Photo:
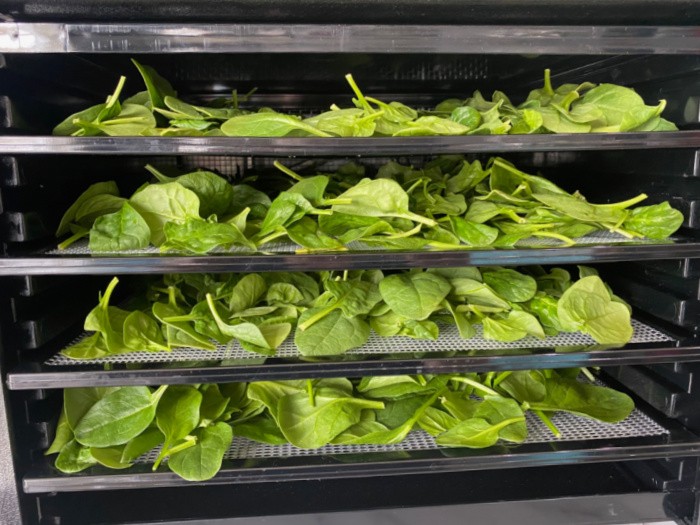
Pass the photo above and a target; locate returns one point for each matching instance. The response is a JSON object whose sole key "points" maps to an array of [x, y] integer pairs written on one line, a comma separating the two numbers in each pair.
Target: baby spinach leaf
{"points": [[586, 400], [475, 433], [179, 333], [378, 198], [119, 231], [99, 188], [476, 293], [512, 326], [96, 207], [262, 429], [525, 386], [214, 192], [496, 409], [308, 425], [267, 124], [74, 457], [511, 285], [658, 221], [203, 460], [414, 296], [213, 403], [332, 335], [435, 421], [390, 387], [62, 436], [588, 307], [110, 457], [199, 236], [247, 292], [473, 233], [142, 333], [144, 442], [177, 413], [118, 417], [159, 204], [158, 88]]}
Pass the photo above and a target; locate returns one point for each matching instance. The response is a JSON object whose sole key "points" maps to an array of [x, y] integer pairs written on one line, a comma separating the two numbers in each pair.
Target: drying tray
{"points": [[594, 248], [335, 147], [379, 356], [582, 441]]}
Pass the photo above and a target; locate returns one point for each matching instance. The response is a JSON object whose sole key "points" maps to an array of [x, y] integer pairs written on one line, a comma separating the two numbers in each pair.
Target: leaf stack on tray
{"points": [[194, 426], [570, 108], [332, 313], [448, 204]]}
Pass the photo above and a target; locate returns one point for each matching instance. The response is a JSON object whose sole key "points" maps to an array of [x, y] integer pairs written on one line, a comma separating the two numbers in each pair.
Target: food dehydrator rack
{"points": [[46, 294]]}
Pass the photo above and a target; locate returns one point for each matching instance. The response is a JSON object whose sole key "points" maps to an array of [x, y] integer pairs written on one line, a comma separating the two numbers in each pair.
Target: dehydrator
{"points": [[57, 57]]}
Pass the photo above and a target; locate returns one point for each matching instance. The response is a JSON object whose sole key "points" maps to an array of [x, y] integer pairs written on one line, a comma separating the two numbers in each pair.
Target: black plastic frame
{"points": [[334, 147]]}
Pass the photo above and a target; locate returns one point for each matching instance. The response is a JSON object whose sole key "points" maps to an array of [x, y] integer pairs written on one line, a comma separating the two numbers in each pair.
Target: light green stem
{"points": [[284, 169], [73, 238], [548, 422], [190, 441], [476, 385], [358, 93], [317, 317]]}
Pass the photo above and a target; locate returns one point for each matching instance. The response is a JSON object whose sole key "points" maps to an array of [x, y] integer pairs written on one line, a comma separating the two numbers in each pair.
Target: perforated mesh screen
{"points": [[449, 341], [572, 428]]}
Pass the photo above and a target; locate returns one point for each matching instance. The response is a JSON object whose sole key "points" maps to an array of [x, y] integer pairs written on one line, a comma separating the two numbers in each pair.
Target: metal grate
{"points": [[80, 248], [572, 428], [449, 341]]}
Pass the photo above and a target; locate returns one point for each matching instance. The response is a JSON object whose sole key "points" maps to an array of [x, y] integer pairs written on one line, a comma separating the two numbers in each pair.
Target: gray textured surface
{"points": [[9, 502]]}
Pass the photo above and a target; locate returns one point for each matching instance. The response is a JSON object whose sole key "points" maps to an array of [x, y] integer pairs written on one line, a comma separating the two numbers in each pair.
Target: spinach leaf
{"points": [[586, 400], [261, 429], [159, 204], [74, 457], [496, 409], [308, 425], [587, 306], [118, 417], [158, 88], [658, 221], [119, 231], [511, 285], [378, 198], [203, 460], [332, 335], [214, 192], [414, 296], [99, 188], [199, 236], [475, 433], [512, 326], [267, 124], [62, 436], [142, 333]]}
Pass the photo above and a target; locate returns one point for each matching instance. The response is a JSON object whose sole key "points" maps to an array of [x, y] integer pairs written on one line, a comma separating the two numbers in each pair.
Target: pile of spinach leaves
{"points": [[570, 108], [329, 313], [190, 427], [447, 204]]}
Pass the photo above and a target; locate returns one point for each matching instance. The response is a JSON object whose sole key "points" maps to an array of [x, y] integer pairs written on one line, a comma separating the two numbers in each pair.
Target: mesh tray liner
{"points": [[80, 248], [448, 341], [572, 428]]}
